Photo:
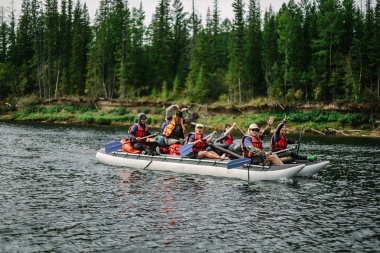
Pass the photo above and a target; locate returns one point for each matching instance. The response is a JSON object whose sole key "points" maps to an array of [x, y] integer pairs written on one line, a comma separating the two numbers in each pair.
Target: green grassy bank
{"points": [[317, 121]]}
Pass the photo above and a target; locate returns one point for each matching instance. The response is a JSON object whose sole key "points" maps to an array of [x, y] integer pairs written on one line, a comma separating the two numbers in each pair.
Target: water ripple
{"points": [[54, 197]]}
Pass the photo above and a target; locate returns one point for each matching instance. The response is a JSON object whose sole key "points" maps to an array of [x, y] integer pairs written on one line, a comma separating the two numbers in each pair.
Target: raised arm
{"points": [[267, 128], [188, 112], [211, 137], [170, 109], [276, 135], [229, 130]]}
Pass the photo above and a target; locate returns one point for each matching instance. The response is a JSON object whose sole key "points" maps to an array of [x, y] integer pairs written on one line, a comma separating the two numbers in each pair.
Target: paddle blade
{"points": [[112, 147], [238, 163], [185, 149]]}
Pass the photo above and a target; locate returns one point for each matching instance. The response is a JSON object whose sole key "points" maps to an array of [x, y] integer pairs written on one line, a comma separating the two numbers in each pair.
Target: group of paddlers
{"points": [[172, 137]]}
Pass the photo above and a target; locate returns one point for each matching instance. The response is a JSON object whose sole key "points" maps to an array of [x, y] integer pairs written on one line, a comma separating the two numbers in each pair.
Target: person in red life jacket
{"points": [[227, 132], [174, 132], [280, 142], [252, 145], [199, 145], [139, 130]]}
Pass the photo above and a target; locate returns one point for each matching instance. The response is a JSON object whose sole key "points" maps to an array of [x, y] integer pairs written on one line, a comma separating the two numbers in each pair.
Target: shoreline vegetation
{"points": [[314, 118]]}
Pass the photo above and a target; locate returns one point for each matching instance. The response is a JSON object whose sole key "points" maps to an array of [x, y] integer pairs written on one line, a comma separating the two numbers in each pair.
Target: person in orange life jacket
{"points": [[174, 132], [280, 142], [227, 132], [161, 137], [199, 145], [139, 130], [164, 124], [252, 145]]}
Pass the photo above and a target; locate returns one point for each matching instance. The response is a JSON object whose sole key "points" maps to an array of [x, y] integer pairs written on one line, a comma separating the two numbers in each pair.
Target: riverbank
{"points": [[340, 119]]}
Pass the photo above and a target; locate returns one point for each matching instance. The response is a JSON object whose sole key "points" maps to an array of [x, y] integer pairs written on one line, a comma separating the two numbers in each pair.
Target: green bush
{"points": [[103, 120], [86, 118], [354, 119], [119, 111], [158, 111], [126, 119], [145, 110], [365, 128]]}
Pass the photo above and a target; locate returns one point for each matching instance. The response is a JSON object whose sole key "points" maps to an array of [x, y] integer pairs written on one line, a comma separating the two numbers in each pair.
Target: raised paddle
{"points": [[186, 149], [115, 146], [240, 129], [242, 161]]}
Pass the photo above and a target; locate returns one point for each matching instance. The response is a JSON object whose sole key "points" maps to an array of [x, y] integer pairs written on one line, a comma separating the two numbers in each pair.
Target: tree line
{"points": [[322, 50]]}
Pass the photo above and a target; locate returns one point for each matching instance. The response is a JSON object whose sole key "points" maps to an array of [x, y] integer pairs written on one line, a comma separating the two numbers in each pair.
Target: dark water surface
{"points": [[55, 197]]}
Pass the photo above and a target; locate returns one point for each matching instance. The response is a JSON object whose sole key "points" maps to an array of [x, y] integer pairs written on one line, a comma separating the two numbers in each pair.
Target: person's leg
{"points": [[201, 154], [152, 145], [297, 156], [142, 147], [139, 146], [211, 154], [287, 159], [170, 141], [273, 159]]}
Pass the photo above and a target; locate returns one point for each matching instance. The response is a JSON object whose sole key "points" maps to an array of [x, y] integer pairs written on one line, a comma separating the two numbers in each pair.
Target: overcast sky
{"points": [[149, 6]]}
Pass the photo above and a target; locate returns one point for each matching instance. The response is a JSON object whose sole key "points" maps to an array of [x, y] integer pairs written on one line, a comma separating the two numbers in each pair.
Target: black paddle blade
{"points": [[238, 163], [185, 149], [112, 147]]}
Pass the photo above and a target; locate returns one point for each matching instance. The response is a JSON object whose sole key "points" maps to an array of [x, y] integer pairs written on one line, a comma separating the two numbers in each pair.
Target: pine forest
{"points": [[310, 51]]}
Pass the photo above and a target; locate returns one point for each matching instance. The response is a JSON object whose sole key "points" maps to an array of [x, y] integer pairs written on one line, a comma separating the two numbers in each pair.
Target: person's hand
{"points": [[138, 138], [234, 124], [156, 133], [184, 109], [285, 119], [270, 120]]}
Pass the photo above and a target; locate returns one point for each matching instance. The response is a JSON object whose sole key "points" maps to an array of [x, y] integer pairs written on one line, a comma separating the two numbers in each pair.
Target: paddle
{"points": [[225, 150], [242, 161], [299, 141], [240, 129], [185, 149], [115, 146]]}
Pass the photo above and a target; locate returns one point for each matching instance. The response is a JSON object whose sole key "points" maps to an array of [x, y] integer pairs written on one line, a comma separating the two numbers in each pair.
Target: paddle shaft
{"points": [[117, 145], [242, 161], [204, 138], [280, 151], [299, 141], [226, 151], [240, 129], [186, 149]]}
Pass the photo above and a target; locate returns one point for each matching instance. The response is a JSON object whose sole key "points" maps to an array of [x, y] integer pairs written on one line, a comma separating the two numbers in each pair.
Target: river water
{"points": [[55, 197]]}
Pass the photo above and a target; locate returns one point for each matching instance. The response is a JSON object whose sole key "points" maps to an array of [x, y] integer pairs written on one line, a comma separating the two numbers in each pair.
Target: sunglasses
{"points": [[200, 127], [255, 130]]}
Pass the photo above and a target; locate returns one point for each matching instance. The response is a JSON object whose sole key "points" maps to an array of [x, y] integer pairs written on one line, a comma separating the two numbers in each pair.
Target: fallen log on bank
{"points": [[316, 131], [337, 131]]}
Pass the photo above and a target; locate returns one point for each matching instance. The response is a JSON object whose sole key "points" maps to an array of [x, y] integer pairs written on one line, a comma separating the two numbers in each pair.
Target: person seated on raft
{"points": [[279, 142], [139, 130], [227, 134], [199, 145], [174, 132], [252, 145]]}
